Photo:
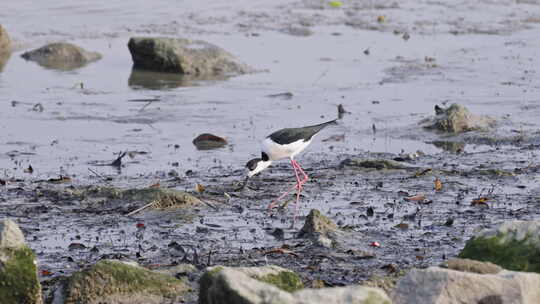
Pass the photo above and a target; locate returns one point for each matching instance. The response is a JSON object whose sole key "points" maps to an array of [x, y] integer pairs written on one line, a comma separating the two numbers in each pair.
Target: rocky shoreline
{"points": [[515, 245]]}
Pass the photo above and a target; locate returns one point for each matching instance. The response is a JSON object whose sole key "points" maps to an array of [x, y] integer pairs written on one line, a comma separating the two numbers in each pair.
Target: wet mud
{"points": [[387, 64]]}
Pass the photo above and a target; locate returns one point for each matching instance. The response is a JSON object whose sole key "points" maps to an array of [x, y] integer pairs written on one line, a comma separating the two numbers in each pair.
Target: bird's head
{"points": [[256, 165]]}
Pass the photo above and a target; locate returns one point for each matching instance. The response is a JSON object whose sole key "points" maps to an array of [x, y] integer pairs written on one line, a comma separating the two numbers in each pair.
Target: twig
{"points": [[98, 175], [140, 209]]}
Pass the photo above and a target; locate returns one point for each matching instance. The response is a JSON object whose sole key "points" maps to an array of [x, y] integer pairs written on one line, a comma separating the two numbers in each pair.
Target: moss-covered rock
{"points": [[512, 245], [19, 282], [111, 282], [457, 119], [282, 278], [249, 285]]}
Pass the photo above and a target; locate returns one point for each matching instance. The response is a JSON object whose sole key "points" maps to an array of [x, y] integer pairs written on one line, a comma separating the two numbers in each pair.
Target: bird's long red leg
{"points": [[306, 178], [296, 186]]}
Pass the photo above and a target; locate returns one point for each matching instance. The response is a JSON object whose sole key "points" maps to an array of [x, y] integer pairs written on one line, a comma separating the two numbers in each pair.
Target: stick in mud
{"points": [[140, 209]]}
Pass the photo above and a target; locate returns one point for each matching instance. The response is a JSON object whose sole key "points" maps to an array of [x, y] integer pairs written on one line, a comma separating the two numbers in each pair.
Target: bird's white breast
{"points": [[276, 151]]}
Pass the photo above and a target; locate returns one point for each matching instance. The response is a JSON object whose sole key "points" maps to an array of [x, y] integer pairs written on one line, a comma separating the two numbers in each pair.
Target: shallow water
{"points": [[482, 55]]}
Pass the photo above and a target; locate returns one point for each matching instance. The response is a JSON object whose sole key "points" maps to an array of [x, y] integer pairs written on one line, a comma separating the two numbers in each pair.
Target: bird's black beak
{"points": [[243, 184]]}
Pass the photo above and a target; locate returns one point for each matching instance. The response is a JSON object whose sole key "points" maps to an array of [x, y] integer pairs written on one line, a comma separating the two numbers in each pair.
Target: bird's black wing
{"points": [[290, 135]]}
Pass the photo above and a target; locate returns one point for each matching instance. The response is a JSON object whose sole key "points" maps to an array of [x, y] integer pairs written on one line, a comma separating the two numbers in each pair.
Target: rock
{"points": [[161, 197], [378, 164], [226, 285], [208, 141], [444, 286], [317, 224], [184, 56], [473, 266], [5, 42], [115, 282], [342, 295], [281, 278], [61, 56], [457, 119], [18, 267], [513, 245], [5, 47]]}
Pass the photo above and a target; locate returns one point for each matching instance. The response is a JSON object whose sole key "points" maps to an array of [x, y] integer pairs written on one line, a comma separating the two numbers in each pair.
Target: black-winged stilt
{"points": [[286, 143]]}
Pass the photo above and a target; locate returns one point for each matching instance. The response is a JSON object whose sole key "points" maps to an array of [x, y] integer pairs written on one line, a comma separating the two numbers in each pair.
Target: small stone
{"points": [[208, 141]]}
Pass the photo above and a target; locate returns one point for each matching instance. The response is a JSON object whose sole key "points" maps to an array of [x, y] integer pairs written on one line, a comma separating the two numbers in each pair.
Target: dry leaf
{"points": [[156, 185], [199, 188], [381, 19], [416, 198], [438, 184], [480, 201]]}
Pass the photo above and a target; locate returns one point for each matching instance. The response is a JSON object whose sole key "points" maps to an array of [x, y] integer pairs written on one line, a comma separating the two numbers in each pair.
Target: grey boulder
{"points": [[444, 286], [229, 285]]}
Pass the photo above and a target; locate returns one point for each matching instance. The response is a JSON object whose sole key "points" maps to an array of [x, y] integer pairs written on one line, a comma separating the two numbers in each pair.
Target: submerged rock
{"points": [[378, 164], [444, 286], [457, 119], [5, 42], [115, 282], [18, 267], [245, 285], [208, 141], [513, 245], [184, 56], [61, 56]]}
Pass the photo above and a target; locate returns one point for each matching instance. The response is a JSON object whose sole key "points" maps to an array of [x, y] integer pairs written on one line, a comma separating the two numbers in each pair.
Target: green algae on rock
{"points": [[513, 245], [19, 282], [112, 281], [377, 164], [249, 285], [280, 277]]}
